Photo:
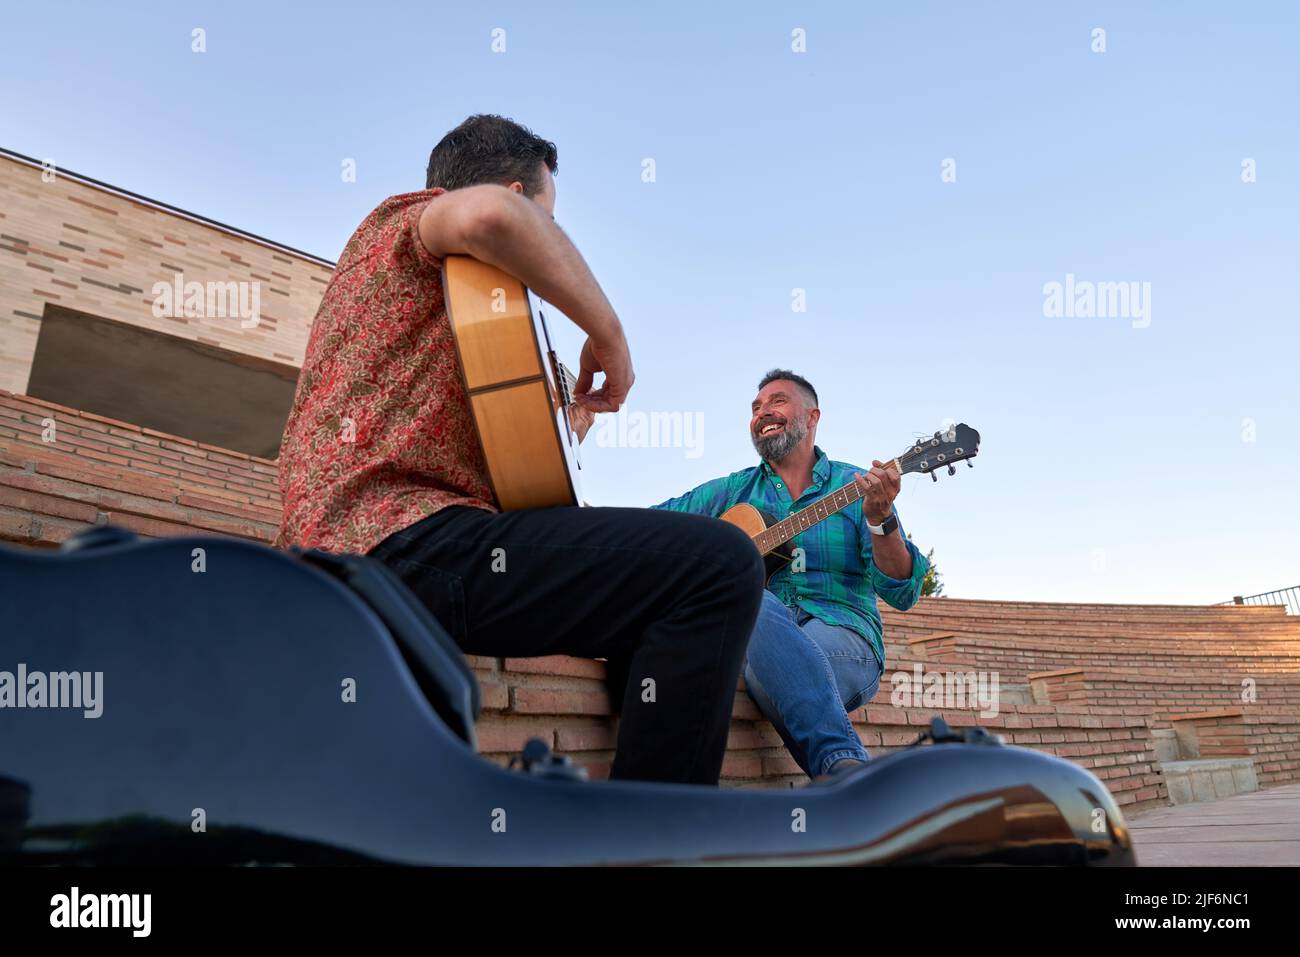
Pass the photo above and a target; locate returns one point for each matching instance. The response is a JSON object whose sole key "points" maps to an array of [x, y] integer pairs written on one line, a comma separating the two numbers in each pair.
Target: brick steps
{"points": [[563, 701], [1017, 671], [1285, 627], [1236, 620], [1136, 644], [971, 608], [1288, 627], [1017, 659], [1165, 694]]}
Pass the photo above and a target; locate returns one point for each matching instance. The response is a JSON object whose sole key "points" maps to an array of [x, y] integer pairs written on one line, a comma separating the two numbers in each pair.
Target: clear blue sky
{"points": [[1113, 466]]}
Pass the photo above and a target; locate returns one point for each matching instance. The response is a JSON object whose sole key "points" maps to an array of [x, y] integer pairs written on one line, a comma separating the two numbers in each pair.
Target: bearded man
{"points": [[816, 652]]}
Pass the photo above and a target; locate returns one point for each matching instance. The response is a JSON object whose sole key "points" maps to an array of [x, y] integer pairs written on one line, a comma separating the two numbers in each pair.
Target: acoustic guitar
{"points": [[772, 538], [519, 392]]}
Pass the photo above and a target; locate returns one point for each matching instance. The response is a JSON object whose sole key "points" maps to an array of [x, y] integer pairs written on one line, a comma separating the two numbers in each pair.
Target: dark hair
{"points": [[798, 380], [490, 149]]}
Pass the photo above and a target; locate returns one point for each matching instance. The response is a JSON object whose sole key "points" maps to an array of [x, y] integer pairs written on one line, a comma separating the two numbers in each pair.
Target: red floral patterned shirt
{"points": [[380, 433]]}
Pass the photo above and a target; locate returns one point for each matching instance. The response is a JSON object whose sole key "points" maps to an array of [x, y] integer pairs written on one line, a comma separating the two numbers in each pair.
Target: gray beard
{"points": [[776, 447]]}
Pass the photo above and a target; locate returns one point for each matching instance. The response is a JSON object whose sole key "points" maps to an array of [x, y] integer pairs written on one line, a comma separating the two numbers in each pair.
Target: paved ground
{"points": [[1261, 828]]}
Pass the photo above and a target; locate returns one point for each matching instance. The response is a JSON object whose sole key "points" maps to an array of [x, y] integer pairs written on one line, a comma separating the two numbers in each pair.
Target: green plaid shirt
{"points": [[840, 583]]}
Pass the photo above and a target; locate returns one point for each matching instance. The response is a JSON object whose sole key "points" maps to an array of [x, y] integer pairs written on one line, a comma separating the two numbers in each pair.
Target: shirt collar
{"points": [[821, 467]]}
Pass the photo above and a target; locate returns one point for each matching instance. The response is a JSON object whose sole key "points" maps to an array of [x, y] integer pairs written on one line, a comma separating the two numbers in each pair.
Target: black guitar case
{"points": [[225, 674]]}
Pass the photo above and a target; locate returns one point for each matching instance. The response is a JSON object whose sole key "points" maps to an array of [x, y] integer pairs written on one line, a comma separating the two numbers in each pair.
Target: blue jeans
{"points": [[806, 676]]}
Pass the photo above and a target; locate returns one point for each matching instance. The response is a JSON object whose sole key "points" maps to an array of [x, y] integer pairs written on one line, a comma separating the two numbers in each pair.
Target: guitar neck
{"points": [[778, 534], [565, 380]]}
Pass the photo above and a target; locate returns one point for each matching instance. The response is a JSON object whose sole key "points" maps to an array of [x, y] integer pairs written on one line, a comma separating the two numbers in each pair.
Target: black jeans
{"points": [[670, 598]]}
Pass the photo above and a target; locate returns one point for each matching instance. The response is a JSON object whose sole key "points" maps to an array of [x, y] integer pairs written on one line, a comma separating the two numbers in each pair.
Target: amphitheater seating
{"points": [[1133, 692]]}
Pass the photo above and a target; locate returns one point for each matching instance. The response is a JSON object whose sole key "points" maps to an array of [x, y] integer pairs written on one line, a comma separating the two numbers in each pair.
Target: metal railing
{"points": [[1287, 597]]}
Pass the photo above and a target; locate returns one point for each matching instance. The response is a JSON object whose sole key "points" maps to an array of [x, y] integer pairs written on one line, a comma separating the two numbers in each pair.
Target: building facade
{"points": [[118, 305]]}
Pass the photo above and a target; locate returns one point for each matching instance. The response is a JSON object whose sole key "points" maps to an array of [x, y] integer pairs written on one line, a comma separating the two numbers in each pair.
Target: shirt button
{"points": [[778, 484], [798, 597]]}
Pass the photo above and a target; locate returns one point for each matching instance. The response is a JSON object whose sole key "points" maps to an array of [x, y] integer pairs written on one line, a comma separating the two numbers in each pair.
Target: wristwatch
{"points": [[885, 527]]}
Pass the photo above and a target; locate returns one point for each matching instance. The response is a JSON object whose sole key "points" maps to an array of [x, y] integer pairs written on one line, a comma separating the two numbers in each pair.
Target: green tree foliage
{"points": [[931, 584]]}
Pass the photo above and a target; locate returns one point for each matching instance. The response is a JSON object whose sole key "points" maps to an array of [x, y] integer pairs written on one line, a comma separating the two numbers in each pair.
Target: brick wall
{"points": [[1211, 734], [1194, 687], [1020, 656], [1273, 742], [95, 470], [563, 701]]}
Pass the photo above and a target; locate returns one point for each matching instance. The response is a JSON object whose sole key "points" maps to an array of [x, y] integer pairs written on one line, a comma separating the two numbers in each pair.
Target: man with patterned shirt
{"points": [[380, 455], [816, 653]]}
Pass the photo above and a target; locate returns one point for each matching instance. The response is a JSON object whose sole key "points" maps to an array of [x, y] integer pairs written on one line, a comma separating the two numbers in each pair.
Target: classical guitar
{"points": [[772, 538], [519, 392]]}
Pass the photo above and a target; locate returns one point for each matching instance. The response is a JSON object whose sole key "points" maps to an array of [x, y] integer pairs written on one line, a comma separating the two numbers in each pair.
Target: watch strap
{"points": [[884, 528]]}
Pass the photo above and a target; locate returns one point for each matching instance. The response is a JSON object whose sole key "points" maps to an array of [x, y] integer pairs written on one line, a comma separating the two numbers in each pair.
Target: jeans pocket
{"points": [[441, 591], [868, 691]]}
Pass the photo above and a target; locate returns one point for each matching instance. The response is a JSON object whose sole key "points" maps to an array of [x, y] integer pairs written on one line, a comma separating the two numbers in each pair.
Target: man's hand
{"points": [[580, 419], [879, 488], [611, 358]]}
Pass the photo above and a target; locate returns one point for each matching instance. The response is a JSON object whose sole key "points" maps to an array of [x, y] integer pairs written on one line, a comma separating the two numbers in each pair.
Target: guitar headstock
{"points": [[959, 443]]}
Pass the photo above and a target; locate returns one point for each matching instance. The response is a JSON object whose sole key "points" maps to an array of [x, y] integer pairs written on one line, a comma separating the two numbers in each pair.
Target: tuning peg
{"points": [[934, 477], [970, 464], [952, 470]]}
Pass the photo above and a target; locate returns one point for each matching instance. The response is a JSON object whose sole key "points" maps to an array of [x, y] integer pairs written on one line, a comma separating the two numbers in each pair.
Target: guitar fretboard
{"points": [[565, 380], [774, 536]]}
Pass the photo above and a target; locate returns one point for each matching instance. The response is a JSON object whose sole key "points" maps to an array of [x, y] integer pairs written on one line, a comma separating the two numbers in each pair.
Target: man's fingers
{"points": [[889, 477], [601, 400], [883, 482]]}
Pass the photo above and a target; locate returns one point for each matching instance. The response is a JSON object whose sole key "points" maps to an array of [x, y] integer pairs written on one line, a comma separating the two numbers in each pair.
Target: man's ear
{"points": [[516, 187], [814, 416]]}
